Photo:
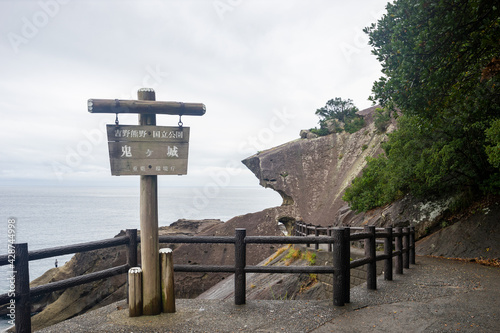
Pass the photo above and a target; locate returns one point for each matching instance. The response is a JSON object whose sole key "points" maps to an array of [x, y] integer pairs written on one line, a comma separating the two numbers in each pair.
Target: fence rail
{"points": [[337, 239]]}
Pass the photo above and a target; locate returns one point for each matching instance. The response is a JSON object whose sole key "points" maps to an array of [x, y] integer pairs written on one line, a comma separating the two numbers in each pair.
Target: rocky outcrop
{"points": [[311, 175], [475, 235]]}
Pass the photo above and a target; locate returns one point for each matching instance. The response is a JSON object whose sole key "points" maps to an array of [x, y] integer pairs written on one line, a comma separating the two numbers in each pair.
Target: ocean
{"points": [[46, 217]]}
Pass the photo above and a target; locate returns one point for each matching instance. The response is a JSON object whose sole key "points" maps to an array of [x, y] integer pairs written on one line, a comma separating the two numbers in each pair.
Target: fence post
{"points": [[307, 233], [329, 233], [22, 285], [167, 281], [131, 247], [412, 245], [131, 254], [316, 233], [239, 266], [134, 277], [371, 267], [347, 264], [406, 248], [338, 267], [399, 248], [388, 254]]}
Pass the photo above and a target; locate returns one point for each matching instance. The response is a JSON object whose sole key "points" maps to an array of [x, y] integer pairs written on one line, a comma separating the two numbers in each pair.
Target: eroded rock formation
{"points": [[311, 175]]}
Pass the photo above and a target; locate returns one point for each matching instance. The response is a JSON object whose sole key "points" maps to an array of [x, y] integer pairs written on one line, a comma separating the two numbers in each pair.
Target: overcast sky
{"points": [[262, 68]]}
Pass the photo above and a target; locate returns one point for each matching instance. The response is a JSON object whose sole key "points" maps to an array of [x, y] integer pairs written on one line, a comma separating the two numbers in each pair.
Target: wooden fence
{"points": [[337, 239]]}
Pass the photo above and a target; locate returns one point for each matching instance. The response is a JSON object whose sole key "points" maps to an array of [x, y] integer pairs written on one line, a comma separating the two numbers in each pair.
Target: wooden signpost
{"points": [[148, 150]]}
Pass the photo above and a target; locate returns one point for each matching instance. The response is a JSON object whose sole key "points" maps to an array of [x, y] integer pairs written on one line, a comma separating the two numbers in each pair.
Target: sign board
{"points": [[148, 150]]}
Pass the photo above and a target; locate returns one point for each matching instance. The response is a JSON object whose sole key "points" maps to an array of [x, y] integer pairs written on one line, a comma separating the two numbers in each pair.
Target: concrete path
{"points": [[436, 295]]}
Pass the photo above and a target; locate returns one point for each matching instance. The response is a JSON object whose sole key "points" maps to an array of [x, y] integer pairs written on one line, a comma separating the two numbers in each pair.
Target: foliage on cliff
{"points": [[440, 65], [338, 115]]}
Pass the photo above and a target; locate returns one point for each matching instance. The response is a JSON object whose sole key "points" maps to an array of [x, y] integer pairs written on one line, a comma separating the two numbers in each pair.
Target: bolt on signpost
{"points": [[148, 150]]}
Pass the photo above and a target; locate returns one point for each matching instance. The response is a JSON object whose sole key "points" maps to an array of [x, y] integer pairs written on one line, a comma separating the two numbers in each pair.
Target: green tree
{"points": [[439, 60], [382, 119], [433, 54], [338, 111]]}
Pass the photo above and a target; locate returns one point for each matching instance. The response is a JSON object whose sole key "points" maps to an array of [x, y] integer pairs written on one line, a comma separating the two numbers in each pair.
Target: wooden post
{"points": [[22, 286], [149, 226], [239, 265], [329, 233], [346, 240], [338, 267], [316, 233], [167, 281], [406, 248], [132, 247], [131, 253], [412, 245], [388, 254], [371, 267], [399, 248], [307, 233], [135, 292]]}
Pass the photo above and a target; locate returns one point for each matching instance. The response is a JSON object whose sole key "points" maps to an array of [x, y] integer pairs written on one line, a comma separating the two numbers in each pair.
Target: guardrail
{"points": [[338, 240], [19, 257]]}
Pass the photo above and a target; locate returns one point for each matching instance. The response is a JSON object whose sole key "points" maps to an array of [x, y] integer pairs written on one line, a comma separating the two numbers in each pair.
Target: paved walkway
{"points": [[436, 295]]}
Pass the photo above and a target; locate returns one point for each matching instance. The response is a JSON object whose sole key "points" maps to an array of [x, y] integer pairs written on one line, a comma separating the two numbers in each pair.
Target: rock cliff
{"points": [[312, 174]]}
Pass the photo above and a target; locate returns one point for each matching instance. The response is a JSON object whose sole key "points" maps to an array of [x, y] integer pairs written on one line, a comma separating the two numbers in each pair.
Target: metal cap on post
{"points": [[146, 94]]}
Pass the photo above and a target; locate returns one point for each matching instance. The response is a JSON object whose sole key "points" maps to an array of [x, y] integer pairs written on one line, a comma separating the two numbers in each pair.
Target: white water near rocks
{"points": [[46, 217]]}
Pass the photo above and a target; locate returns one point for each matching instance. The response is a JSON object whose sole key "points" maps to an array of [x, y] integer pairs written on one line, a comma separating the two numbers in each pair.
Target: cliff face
{"points": [[312, 174]]}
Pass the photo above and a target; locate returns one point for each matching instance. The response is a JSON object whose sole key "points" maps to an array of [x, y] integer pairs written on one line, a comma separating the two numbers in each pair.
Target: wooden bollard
{"points": [[135, 292], [167, 281]]}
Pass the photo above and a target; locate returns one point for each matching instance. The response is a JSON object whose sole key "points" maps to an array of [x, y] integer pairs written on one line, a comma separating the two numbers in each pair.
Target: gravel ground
{"points": [[436, 295]]}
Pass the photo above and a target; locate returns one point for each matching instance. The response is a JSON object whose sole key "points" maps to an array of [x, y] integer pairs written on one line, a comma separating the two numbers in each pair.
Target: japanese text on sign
{"points": [[148, 150]]}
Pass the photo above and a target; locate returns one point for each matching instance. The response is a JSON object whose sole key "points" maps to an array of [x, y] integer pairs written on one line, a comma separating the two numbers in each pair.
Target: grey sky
{"points": [[262, 68]]}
